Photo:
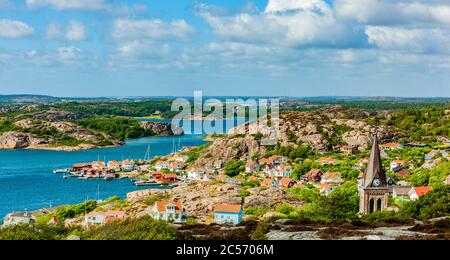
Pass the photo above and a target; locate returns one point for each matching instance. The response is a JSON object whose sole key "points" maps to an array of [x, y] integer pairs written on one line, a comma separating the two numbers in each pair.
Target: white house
{"points": [[195, 174], [332, 177], [283, 171], [278, 159], [182, 158], [101, 218], [416, 192], [128, 165], [17, 218], [161, 165], [401, 192], [169, 211], [176, 166], [396, 164], [390, 146]]}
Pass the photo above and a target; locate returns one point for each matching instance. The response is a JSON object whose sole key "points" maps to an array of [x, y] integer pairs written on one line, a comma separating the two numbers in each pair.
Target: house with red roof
{"points": [[314, 175], [251, 166], [416, 192], [390, 146], [287, 182], [169, 210], [327, 161]]}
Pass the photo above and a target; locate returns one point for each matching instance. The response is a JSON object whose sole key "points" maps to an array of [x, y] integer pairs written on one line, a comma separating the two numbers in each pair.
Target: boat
{"points": [[57, 171], [83, 178], [145, 183]]}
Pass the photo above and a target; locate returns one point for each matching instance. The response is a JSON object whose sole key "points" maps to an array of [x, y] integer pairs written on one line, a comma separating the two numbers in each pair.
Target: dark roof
{"points": [[375, 167]]}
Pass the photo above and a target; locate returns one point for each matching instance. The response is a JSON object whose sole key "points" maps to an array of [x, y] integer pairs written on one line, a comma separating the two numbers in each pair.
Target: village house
{"points": [[314, 175], [283, 170], [128, 165], [270, 169], [328, 188], [181, 158], [161, 165], [195, 174], [348, 149], [265, 161], [102, 218], [327, 161], [332, 177], [97, 165], [278, 159], [287, 182], [390, 146], [268, 182], [17, 218], [115, 165], [416, 192], [228, 213], [401, 192], [176, 166], [169, 178], [251, 166], [362, 163], [169, 211], [396, 164]]}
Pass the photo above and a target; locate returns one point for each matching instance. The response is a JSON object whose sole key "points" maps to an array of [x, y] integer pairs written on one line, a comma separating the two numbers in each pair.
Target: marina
{"points": [[29, 179]]}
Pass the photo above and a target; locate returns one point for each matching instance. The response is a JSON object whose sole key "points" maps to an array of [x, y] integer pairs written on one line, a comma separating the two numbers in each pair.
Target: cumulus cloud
{"points": [[295, 23], [14, 29], [154, 29], [69, 54]]}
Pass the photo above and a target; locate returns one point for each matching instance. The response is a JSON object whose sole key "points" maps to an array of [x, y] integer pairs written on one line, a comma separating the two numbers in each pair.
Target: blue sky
{"points": [[239, 47]]}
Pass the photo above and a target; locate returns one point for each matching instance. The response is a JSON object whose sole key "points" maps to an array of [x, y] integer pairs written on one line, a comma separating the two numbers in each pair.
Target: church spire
{"points": [[375, 167]]}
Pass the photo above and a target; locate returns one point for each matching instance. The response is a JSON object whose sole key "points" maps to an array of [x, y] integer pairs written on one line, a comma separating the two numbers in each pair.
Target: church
{"points": [[373, 186]]}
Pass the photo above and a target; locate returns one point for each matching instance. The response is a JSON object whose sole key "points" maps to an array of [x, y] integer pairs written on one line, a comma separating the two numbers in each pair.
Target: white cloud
{"points": [[385, 12], [295, 23], [75, 31], [151, 29], [69, 4], [404, 39], [14, 29]]}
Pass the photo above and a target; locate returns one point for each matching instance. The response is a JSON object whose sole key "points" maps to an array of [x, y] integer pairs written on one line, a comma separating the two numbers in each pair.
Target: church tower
{"points": [[373, 190]]}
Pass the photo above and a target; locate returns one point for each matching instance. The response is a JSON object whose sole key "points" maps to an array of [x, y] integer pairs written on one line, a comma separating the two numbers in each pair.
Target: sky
{"points": [[88, 48]]}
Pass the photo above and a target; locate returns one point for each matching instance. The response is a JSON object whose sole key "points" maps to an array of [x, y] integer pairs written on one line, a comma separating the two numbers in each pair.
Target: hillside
{"points": [[327, 127]]}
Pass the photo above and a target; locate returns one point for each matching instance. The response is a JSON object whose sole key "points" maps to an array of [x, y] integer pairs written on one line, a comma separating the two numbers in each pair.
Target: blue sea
{"points": [[27, 181]]}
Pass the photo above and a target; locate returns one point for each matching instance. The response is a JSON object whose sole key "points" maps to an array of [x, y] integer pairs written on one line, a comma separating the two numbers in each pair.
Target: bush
{"points": [[234, 168], [434, 204], [144, 228]]}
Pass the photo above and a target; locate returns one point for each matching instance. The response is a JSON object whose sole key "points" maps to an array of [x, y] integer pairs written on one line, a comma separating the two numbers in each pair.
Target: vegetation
{"points": [[119, 127], [431, 177], [137, 229], [67, 212], [234, 168], [434, 204]]}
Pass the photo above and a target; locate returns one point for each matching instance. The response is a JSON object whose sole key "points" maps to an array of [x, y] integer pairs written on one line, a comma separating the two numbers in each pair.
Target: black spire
{"points": [[375, 167]]}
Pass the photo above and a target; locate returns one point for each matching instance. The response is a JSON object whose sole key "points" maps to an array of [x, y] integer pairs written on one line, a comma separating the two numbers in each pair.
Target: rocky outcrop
{"points": [[317, 129], [15, 140], [162, 129]]}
